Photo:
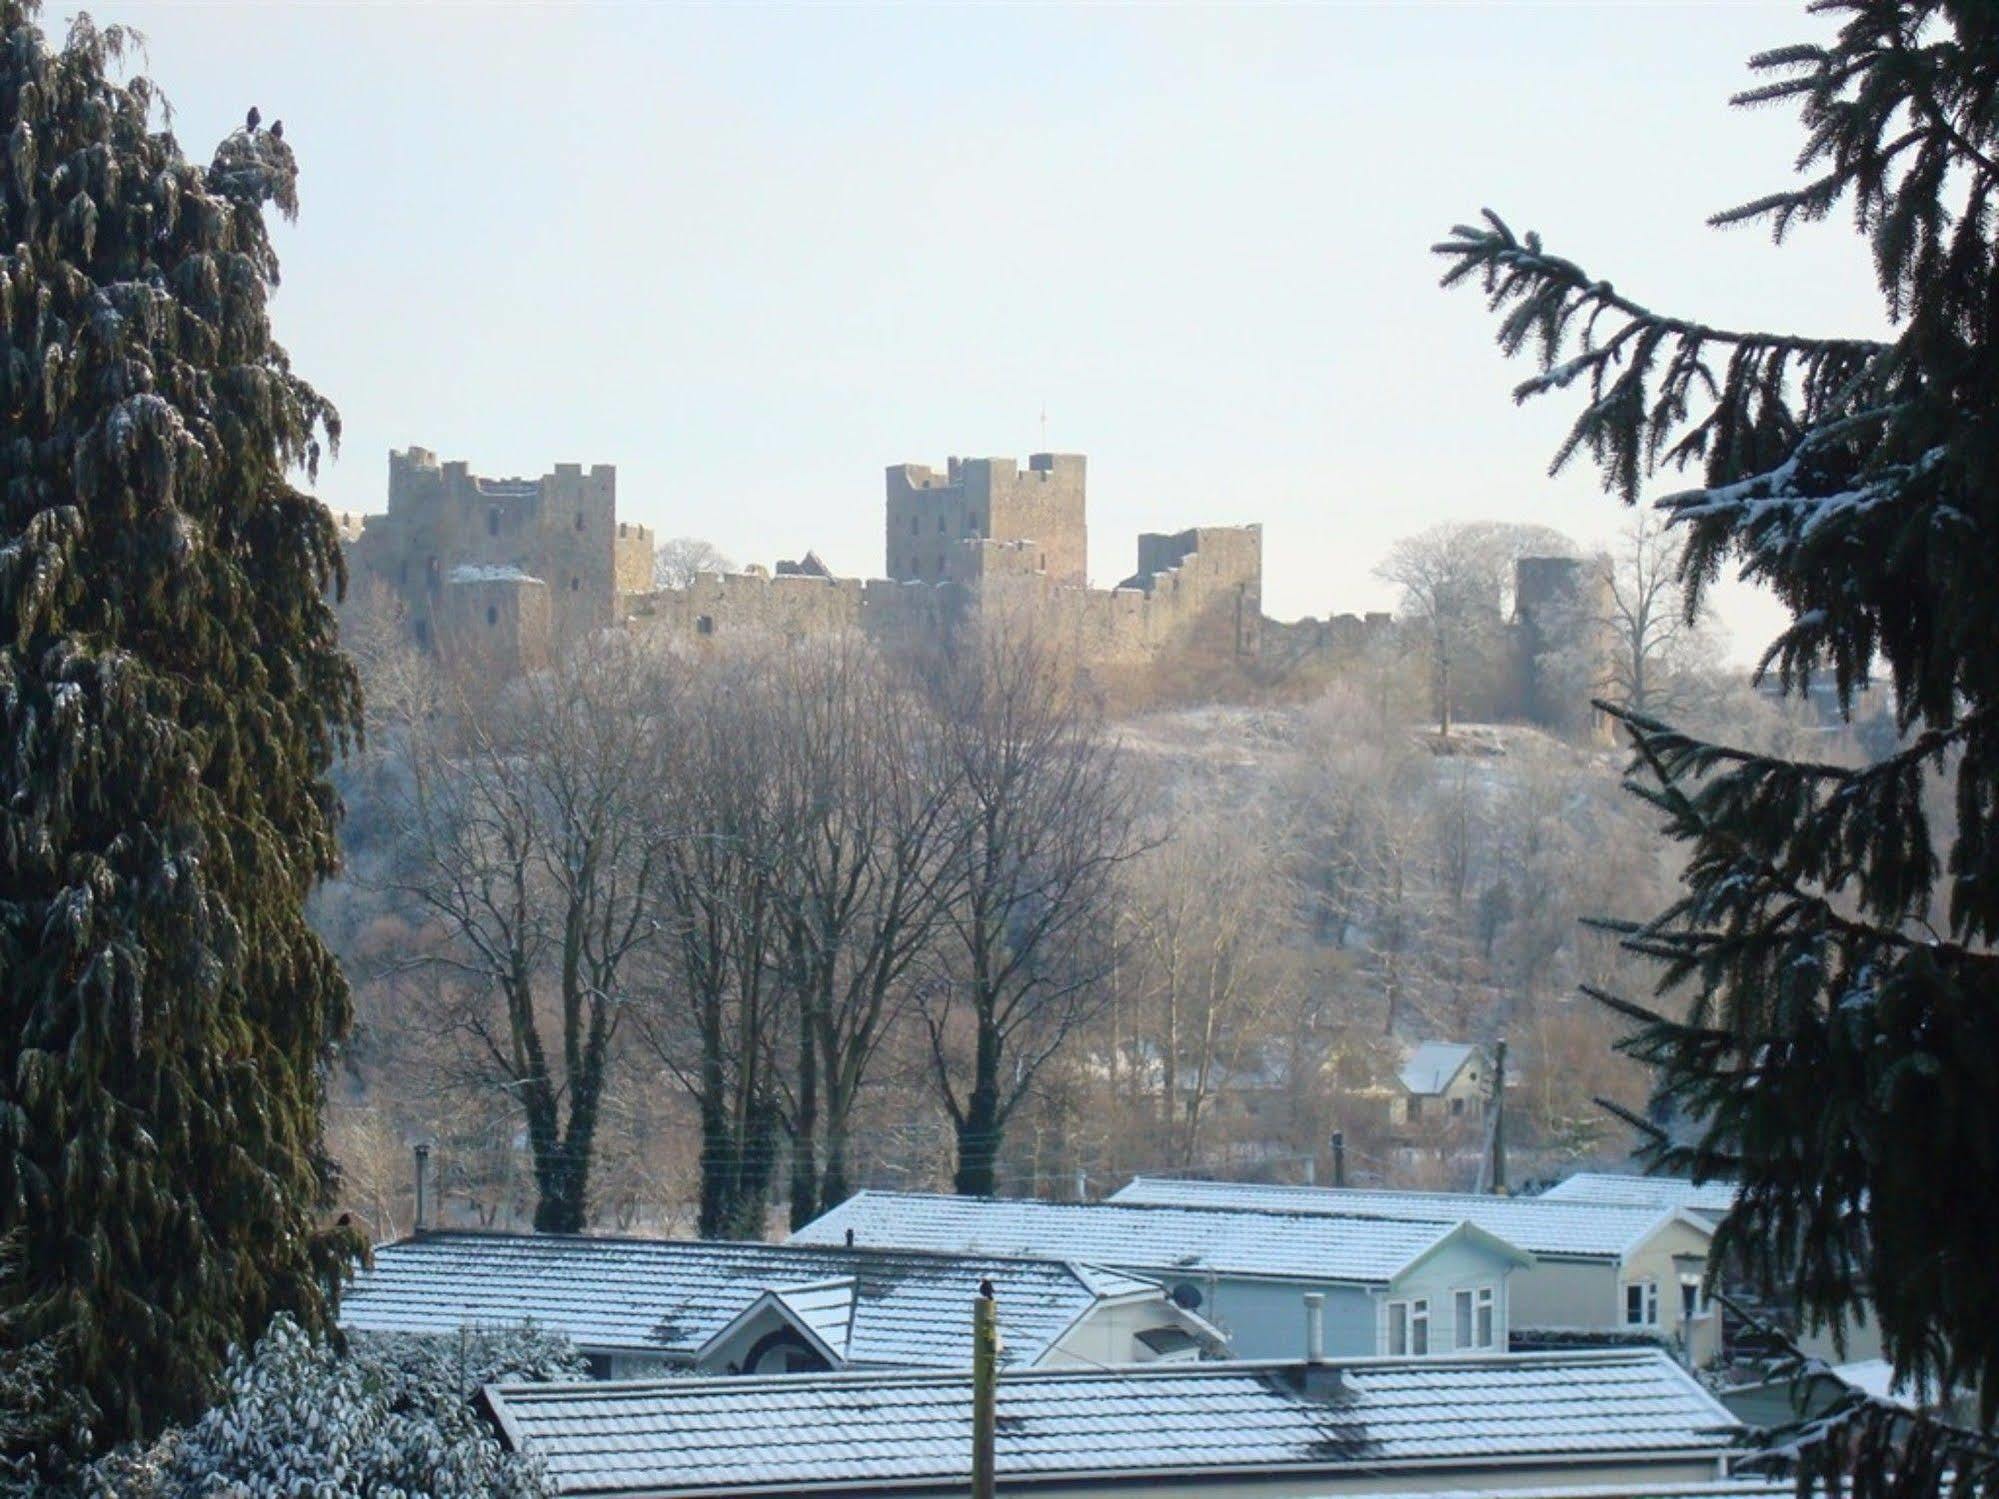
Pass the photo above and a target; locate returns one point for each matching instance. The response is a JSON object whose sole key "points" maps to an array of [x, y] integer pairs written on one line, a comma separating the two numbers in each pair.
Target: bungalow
{"points": [[1597, 1269], [1710, 1199], [1628, 1422], [1389, 1286], [638, 1307]]}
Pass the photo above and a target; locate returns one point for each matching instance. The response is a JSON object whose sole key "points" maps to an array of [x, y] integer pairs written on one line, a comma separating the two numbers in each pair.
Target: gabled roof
{"points": [[823, 1313], [668, 1297], [1363, 1249], [1433, 1065], [826, 1432], [1563, 1230], [1715, 1197]]}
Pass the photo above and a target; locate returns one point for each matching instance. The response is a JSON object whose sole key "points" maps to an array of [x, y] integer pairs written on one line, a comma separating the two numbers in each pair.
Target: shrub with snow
{"points": [[391, 1416]]}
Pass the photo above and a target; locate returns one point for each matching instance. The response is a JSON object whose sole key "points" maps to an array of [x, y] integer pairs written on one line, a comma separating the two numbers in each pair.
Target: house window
{"points": [[705, 625], [1457, 1106], [1409, 1327], [492, 615], [1413, 1110], [1641, 1303], [1692, 1303], [1476, 1323], [599, 1365], [493, 521]]}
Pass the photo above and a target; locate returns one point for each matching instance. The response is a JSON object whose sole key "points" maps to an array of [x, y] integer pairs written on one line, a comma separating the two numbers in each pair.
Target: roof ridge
{"points": [[1122, 1373], [791, 1245]]}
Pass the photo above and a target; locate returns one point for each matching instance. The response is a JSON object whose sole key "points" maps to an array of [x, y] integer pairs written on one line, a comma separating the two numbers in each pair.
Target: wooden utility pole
{"points": [[1499, 1117], [985, 1389]]}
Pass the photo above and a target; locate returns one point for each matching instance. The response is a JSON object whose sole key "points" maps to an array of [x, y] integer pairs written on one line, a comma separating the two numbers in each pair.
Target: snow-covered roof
{"points": [[901, 1309], [1432, 1065], [1564, 1230], [1457, 1419], [473, 572], [1713, 1197], [1162, 1241]]}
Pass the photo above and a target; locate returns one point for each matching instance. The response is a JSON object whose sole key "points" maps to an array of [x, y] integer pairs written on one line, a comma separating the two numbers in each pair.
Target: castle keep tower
{"points": [[506, 569], [1039, 512], [1561, 641]]}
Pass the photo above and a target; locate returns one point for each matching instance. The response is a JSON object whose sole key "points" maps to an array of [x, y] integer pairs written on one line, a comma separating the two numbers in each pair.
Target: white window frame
{"points": [[1648, 1292], [1692, 1307], [1473, 1308], [1410, 1317]]}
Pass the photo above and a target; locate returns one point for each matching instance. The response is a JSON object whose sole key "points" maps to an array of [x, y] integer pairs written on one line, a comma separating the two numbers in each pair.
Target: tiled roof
{"points": [[669, 1296], [1648, 1191], [1433, 1064], [1363, 1249], [814, 1433], [1570, 1230]]}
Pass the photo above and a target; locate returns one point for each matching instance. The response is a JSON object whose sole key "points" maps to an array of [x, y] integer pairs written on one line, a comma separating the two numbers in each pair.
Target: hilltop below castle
{"points": [[509, 570]]}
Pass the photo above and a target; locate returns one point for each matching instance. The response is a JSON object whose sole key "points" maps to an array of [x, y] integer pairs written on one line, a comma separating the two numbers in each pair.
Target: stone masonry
{"points": [[508, 570]]}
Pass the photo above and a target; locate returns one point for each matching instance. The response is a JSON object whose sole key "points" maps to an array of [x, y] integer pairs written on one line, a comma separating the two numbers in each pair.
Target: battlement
{"points": [[987, 499], [559, 531]]}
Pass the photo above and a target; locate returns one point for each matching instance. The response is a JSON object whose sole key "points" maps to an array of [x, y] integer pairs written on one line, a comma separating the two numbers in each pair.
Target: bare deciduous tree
{"points": [[679, 560], [1044, 820], [1656, 650], [1455, 579], [718, 1011], [867, 801], [530, 839]]}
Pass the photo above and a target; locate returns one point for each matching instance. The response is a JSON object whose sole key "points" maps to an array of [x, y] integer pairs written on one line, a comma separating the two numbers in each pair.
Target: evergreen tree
{"points": [[1837, 1047], [171, 696]]}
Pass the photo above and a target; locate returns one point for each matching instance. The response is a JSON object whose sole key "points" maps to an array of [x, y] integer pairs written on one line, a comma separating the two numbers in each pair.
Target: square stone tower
{"points": [[1040, 508]]}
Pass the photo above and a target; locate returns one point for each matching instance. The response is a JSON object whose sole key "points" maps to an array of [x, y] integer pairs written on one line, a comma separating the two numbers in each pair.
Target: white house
{"points": [[1440, 1081], [1388, 1286], [1597, 1268], [640, 1307], [1623, 1423]]}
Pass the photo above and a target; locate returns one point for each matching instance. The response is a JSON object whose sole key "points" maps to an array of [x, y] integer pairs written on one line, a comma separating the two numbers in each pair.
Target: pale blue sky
{"points": [[752, 254]]}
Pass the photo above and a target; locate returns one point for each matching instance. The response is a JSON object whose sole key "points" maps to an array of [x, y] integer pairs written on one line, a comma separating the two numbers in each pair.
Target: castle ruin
{"points": [[508, 570], [512, 569]]}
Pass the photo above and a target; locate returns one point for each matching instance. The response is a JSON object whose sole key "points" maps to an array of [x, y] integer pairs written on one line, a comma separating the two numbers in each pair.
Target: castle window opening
{"points": [[912, 525], [704, 625], [940, 525], [493, 521], [423, 633], [403, 571], [492, 614], [579, 520], [574, 584]]}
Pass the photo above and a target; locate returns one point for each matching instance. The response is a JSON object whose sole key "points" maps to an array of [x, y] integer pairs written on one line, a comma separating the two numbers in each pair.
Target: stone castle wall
{"points": [[506, 572], [987, 499], [451, 543]]}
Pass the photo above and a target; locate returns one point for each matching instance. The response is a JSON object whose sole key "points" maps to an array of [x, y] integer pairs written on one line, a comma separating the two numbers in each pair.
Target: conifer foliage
{"points": [[1838, 1045], [171, 696]]}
